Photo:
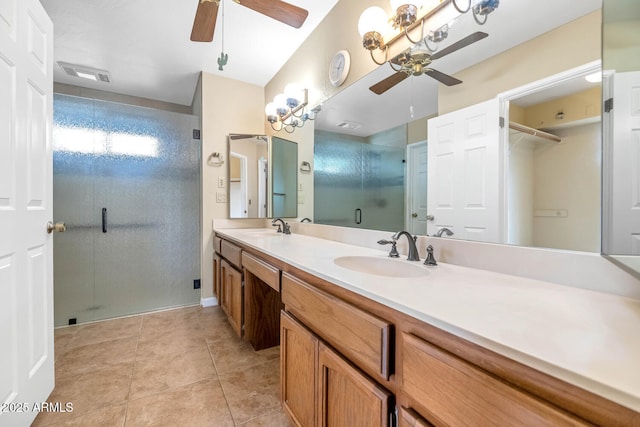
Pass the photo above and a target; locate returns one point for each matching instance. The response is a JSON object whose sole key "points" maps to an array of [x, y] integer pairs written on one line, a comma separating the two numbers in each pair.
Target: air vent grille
{"points": [[84, 72]]}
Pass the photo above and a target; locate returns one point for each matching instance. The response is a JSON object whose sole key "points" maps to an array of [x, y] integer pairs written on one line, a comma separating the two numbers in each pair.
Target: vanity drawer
{"points": [[360, 336], [216, 244], [231, 252], [265, 272], [452, 391]]}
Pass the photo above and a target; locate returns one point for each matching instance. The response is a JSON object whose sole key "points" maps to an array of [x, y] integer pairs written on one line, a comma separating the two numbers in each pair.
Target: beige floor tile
{"points": [[276, 418], [171, 341], [252, 392], [159, 373], [108, 416], [89, 392], [218, 330], [233, 354], [108, 330], [181, 317], [193, 405], [92, 357]]}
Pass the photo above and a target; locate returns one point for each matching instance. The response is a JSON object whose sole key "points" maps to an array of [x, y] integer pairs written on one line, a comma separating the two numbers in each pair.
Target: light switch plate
{"points": [[221, 182], [300, 199], [221, 197]]}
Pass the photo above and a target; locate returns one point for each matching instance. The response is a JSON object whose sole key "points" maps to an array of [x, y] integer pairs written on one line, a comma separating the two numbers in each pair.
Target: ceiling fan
{"points": [[415, 61], [204, 23]]}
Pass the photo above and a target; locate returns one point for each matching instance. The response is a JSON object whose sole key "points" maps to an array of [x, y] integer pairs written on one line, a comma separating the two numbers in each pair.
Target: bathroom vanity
{"points": [[412, 345]]}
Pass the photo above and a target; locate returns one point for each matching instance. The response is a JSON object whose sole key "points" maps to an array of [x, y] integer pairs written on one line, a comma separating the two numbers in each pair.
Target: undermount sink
{"points": [[378, 266]]}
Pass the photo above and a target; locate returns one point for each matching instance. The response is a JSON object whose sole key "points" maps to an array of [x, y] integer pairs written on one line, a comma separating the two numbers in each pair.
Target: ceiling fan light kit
{"points": [[374, 28]]}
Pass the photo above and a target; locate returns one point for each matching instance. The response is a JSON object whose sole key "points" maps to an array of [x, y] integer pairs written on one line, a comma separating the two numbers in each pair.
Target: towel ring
{"points": [[215, 159]]}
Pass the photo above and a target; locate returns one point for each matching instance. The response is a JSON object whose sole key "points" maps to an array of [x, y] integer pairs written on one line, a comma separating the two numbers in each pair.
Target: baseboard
{"points": [[208, 302]]}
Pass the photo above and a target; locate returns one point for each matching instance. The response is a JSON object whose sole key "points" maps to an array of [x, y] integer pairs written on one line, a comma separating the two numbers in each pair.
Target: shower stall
{"points": [[359, 182], [126, 181]]}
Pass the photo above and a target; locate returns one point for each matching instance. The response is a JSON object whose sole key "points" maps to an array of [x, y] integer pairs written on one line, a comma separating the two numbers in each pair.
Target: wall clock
{"points": [[339, 68]]}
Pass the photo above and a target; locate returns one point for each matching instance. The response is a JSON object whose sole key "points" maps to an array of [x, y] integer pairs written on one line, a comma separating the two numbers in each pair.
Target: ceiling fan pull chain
{"points": [[222, 61]]}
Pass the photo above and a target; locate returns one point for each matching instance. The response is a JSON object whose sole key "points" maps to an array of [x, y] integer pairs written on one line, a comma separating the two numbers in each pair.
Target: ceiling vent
{"points": [[349, 125], [84, 72]]}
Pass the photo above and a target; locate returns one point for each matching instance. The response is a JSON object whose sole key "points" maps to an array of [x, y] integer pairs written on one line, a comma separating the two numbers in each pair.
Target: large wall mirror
{"points": [[263, 177], [371, 164], [621, 155]]}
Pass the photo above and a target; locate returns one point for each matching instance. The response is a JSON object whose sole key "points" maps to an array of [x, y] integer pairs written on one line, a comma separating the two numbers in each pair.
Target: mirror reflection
{"points": [[621, 64], [263, 177], [284, 166], [542, 192]]}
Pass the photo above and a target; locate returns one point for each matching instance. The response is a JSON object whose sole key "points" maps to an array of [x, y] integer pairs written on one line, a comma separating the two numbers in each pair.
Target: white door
{"points": [[26, 265], [464, 173], [625, 151], [417, 188]]}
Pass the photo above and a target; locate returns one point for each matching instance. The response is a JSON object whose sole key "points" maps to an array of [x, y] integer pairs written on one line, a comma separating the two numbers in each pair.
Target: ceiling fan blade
{"points": [[204, 24], [286, 13], [471, 38], [384, 85], [442, 77]]}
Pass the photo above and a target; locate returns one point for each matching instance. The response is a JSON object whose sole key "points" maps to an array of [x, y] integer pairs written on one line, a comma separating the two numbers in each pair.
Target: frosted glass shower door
{"points": [[138, 238]]}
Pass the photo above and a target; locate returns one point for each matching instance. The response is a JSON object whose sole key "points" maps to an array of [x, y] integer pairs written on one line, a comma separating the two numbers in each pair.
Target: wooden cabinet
{"points": [[232, 297], [360, 336], [345, 396], [261, 303], [298, 368], [410, 418], [216, 276], [450, 391], [320, 388]]}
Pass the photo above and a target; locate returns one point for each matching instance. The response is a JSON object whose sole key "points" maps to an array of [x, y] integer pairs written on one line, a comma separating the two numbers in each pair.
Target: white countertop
{"points": [[586, 338]]}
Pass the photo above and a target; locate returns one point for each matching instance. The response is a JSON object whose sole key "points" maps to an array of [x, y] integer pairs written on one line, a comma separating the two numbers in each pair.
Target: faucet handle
{"points": [[287, 228], [430, 258], [394, 251], [279, 228]]}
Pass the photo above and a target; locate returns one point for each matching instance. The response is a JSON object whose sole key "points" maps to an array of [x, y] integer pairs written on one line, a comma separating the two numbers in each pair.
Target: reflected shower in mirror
{"points": [[284, 170], [621, 64]]}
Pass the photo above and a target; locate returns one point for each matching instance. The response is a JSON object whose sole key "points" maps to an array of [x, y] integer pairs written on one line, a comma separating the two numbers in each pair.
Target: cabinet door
{"points": [[345, 396], [298, 366], [410, 418], [216, 277], [232, 295]]}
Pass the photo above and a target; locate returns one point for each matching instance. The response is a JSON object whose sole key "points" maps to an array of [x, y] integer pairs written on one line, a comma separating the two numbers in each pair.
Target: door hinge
{"points": [[501, 122], [608, 105]]}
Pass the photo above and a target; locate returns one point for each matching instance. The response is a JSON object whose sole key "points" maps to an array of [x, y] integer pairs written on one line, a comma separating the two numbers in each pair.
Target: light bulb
{"points": [[293, 94], [280, 101], [372, 19], [270, 109]]}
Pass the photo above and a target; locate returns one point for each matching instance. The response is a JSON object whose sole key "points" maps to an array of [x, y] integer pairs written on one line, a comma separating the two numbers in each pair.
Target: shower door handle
{"points": [[104, 220], [358, 216]]}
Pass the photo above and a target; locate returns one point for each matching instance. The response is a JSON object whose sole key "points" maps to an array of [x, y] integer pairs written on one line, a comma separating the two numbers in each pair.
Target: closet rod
{"points": [[534, 132]]}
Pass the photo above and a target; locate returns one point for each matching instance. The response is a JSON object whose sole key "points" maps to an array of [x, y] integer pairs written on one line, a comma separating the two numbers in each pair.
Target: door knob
{"points": [[60, 227], [414, 215], [430, 217]]}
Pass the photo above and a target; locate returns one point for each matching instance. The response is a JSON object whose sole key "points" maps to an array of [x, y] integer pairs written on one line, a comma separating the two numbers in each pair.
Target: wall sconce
{"points": [[287, 111], [374, 22]]}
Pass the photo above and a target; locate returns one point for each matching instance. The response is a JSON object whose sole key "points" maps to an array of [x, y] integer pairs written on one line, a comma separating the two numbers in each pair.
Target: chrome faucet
{"points": [[285, 227], [413, 250], [444, 230]]}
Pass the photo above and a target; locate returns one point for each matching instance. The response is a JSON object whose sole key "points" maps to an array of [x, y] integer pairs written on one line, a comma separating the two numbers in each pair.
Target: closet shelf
{"points": [[535, 132]]}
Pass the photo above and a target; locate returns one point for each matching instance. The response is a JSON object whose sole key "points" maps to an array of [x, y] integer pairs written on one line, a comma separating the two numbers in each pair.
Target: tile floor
{"points": [[178, 367]]}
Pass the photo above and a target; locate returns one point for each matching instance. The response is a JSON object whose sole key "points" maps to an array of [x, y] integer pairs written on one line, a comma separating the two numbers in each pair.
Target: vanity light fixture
{"points": [[374, 24], [287, 111]]}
